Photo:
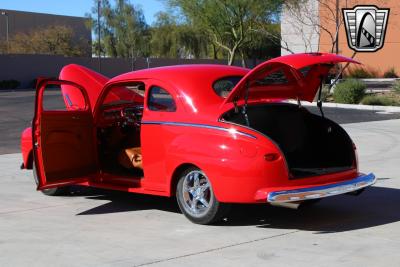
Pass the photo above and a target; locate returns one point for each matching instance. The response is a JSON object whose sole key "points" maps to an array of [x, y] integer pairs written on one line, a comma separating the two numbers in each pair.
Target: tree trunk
{"points": [[231, 56], [215, 56], [244, 64]]}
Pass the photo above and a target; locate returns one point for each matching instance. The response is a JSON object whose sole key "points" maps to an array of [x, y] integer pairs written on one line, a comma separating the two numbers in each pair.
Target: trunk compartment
{"points": [[312, 145]]}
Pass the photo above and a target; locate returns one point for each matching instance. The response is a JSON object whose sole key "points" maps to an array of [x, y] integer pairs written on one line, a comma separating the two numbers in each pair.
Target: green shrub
{"points": [[379, 101], [390, 73], [396, 87], [349, 92], [361, 73], [9, 84]]}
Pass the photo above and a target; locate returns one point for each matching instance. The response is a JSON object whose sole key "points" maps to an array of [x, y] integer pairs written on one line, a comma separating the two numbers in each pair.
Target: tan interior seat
{"points": [[131, 158]]}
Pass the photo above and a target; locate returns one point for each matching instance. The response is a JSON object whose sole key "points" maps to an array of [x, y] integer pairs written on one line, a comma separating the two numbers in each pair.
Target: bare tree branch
{"points": [[341, 72]]}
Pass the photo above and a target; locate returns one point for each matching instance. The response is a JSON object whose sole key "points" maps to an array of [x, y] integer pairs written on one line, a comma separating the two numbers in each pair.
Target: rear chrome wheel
{"points": [[197, 192], [196, 198]]}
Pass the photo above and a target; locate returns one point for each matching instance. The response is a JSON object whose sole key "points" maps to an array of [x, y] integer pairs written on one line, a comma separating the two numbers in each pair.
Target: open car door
{"points": [[296, 76], [63, 135]]}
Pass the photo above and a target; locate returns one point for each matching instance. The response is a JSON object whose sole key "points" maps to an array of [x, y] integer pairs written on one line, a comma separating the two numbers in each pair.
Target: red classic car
{"points": [[210, 135]]}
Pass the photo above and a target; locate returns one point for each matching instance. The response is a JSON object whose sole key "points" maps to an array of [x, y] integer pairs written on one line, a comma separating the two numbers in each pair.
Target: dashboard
{"points": [[121, 115]]}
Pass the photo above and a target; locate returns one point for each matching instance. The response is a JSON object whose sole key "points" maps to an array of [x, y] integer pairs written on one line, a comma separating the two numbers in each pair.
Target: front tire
{"points": [[196, 198], [57, 191]]}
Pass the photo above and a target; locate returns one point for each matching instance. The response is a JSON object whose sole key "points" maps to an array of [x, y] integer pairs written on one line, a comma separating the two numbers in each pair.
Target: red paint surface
{"points": [[234, 163]]}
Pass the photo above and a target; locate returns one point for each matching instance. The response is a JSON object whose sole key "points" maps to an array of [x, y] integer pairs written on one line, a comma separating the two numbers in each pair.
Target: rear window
{"points": [[225, 85], [304, 71], [274, 78]]}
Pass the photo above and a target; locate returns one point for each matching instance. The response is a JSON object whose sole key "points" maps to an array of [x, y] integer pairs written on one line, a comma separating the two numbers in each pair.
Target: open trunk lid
{"points": [[296, 76]]}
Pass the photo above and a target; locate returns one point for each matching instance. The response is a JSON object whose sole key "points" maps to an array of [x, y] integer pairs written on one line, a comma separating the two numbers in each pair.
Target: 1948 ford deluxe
{"points": [[209, 134]]}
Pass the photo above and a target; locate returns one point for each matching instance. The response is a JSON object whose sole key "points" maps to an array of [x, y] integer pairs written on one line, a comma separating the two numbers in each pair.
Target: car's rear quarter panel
{"points": [[234, 163]]}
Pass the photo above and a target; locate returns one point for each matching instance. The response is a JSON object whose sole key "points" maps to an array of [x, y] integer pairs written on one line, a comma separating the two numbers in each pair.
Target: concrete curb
{"points": [[353, 106]]}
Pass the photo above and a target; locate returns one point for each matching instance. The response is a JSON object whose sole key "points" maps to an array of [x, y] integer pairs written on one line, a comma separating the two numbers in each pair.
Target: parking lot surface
{"points": [[104, 228]]}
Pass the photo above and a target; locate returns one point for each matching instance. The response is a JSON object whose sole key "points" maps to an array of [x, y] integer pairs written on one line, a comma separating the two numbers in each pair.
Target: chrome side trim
{"points": [[206, 126], [315, 192]]}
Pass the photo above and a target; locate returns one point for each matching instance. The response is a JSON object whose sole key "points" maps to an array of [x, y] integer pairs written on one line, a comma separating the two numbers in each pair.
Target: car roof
{"points": [[193, 83]]}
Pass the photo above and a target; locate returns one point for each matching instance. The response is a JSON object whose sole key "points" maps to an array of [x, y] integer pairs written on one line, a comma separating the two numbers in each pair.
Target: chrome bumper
{"points": [[315, 192]]}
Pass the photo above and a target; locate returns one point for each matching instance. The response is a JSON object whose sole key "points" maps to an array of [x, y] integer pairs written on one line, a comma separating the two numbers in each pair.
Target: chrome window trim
{"points": [[198, 125]]}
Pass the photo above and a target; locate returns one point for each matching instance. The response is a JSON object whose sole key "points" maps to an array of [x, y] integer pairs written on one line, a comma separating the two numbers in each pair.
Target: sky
{"points": [[76, 7]]}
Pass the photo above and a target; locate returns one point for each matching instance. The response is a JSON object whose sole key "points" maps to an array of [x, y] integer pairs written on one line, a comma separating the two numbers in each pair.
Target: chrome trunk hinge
{"points": [[235, 99], [244, 110], [319, 101]]}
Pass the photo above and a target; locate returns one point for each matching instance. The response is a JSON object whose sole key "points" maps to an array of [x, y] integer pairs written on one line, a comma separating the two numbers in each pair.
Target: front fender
{"points": [[26, 148]]}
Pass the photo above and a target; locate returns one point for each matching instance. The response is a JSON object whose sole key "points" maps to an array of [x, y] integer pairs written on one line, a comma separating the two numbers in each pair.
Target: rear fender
{"points": [[235, 165]]}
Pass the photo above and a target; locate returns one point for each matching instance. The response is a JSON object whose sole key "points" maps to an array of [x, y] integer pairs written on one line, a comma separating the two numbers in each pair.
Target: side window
{"points": [[63, 97], [160, 100]]}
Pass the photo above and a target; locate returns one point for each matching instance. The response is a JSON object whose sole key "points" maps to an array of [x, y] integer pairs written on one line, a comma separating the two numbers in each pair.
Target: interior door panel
{"points": [[63, 134], [67, 145]]}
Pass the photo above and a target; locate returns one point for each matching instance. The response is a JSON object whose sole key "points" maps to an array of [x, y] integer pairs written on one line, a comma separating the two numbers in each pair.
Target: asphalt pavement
{"points": [[17, 110], [105, 228]]}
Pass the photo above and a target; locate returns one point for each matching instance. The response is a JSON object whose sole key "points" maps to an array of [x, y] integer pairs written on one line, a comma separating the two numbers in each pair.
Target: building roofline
{"points": [[40, 13]]}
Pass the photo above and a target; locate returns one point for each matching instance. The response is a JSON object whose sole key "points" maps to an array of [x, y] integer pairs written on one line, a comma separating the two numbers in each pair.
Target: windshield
{"points": [[123, 94]]}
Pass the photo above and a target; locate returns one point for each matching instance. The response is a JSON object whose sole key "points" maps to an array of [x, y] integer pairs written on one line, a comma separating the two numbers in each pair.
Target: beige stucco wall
{"points": [[381, 60]]}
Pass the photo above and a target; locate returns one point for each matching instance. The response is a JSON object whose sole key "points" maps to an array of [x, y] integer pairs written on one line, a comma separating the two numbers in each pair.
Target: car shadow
{"points": [[124, 202], [374, 207]]}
